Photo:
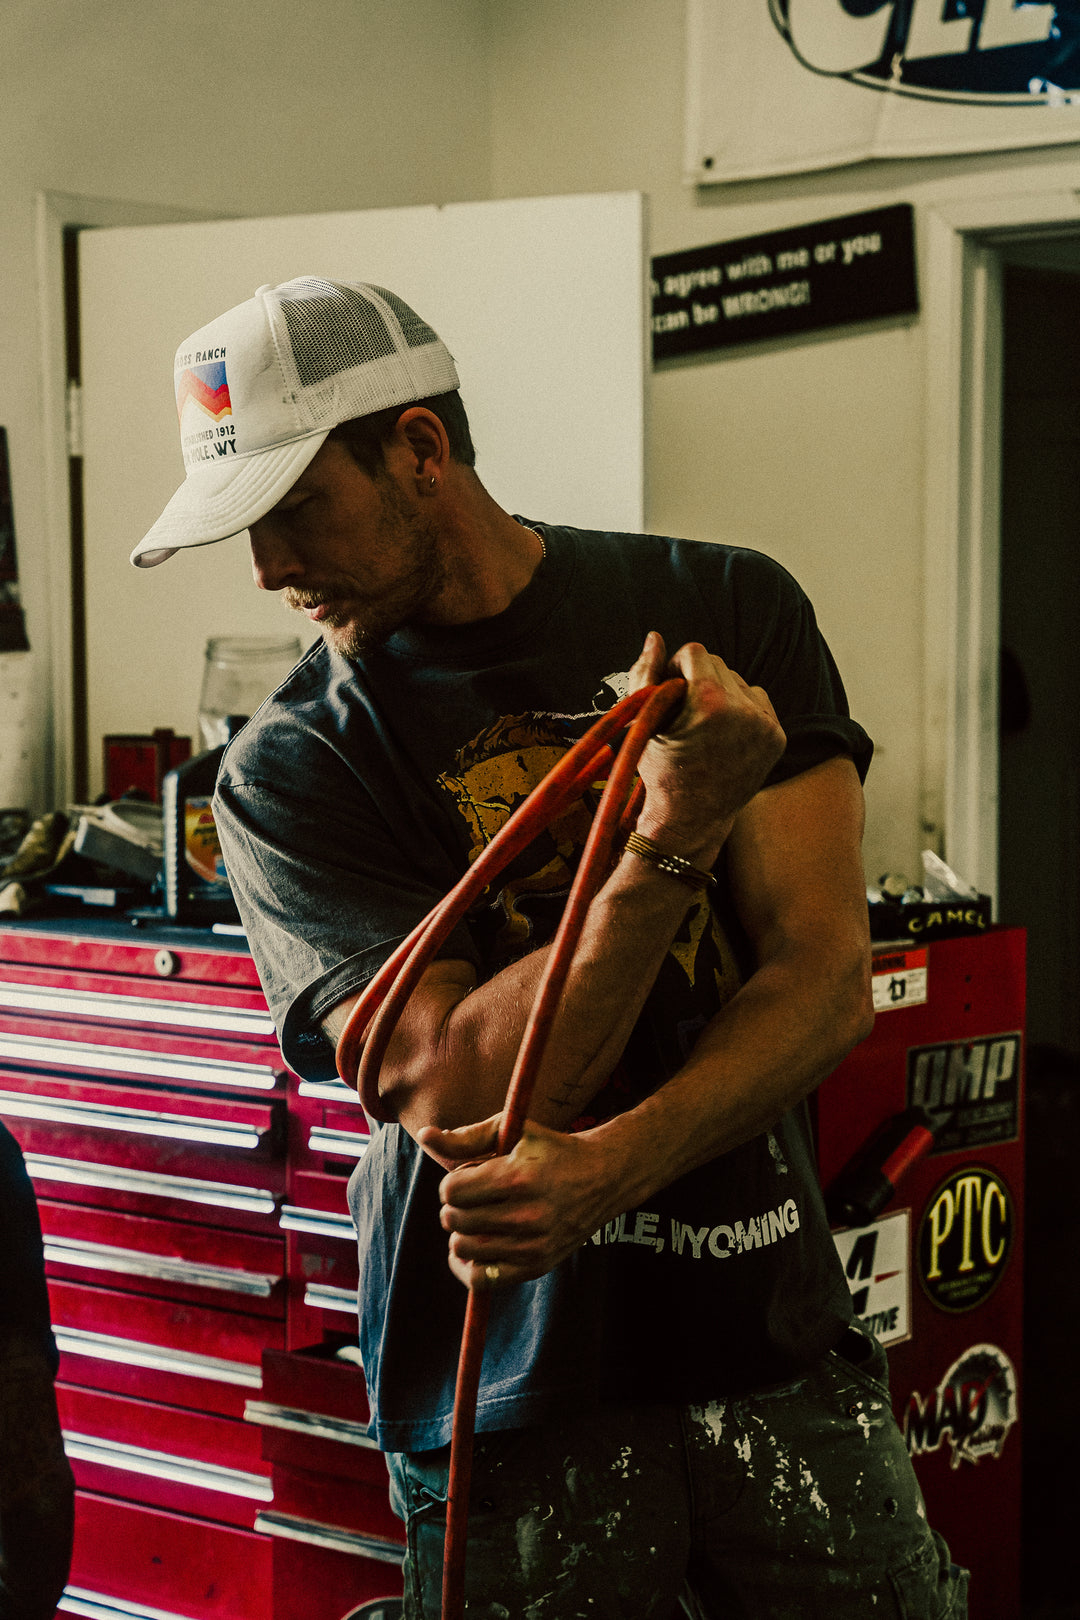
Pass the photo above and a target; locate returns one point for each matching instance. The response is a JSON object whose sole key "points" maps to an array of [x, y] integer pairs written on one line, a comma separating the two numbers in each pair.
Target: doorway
{"points": [[1039, 848], [1039, 771]]}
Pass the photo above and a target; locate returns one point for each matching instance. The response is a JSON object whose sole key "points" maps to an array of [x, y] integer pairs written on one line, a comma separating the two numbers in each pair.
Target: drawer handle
{"points": [[94, 1606], [329, 1535], [316, 1424], [136, 1009], [345, 1144], [104, 1116], [162, 1465], [137, 1263], [335, 1091], [158, 1357], [218, 1194], [323, 1222], [325, 1298], [130, 1060]]}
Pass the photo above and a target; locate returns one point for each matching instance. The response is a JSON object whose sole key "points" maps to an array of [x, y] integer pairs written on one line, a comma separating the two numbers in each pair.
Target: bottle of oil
{"points": [[196, 887]]}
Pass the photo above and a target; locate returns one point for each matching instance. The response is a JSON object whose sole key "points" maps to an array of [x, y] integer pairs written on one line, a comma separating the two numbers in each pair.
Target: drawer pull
{"points": [[158, 1357], [323, 1222], [136, 1010], [94, 1606], [104, 1116], [316, 1424], [329, 1535], [218, 1194], [138, 1263], [335, 1091], [130, 1060], [345, 1144], [162, 1465], [325, 1298]]}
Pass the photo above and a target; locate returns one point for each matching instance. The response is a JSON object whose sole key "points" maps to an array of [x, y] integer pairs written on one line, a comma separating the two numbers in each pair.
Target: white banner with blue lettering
{"points": [[784, 86]]}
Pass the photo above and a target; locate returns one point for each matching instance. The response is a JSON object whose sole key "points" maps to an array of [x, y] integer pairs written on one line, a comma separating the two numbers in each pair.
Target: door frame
{"points": [[56, 213], [962, 314]]}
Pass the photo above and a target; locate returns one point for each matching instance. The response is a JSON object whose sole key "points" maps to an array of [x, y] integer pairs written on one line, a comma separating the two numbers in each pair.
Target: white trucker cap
{"points": [[259, 389]]}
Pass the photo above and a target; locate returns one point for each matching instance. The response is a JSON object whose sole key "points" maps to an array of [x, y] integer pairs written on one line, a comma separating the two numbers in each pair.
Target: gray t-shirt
{"points": [[356, 798]]}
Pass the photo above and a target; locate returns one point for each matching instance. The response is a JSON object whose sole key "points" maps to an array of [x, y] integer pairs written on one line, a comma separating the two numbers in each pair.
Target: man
{"points": [[671, 1383]]}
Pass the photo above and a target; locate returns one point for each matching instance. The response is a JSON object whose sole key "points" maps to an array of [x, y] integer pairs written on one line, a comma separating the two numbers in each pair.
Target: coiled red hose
{"points": [[376, 1013]]}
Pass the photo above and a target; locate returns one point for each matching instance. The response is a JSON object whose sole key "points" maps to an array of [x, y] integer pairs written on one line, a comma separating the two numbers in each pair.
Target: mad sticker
{"points": [[972, 1409]]}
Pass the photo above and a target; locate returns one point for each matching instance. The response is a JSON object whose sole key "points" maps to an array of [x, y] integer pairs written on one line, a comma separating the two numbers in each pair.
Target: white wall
{"points": [[812, 450], [257, 107], [809, 449]]}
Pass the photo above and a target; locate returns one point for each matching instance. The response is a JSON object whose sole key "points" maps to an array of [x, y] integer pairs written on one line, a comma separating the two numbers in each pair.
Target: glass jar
{"points": [[240, 671]]}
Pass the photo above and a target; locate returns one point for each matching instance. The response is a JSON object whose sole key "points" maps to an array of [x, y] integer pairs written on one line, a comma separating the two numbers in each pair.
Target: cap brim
{"points": [[220, 499]]}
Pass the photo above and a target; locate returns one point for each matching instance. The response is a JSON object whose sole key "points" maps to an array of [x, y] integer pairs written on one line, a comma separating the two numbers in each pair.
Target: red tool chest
{"points": [[939, 1274], [192, 1200]]}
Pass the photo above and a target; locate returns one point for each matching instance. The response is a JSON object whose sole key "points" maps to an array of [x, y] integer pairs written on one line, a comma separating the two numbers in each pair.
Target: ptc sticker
{"points": [[965, 1238]]}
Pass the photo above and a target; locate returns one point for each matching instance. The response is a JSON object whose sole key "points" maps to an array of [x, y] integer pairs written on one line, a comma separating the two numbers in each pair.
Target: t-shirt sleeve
{"points": [[326, 895], [786, 654]]}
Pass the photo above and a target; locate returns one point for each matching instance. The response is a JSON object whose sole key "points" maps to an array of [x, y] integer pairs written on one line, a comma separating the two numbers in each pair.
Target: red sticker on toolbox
{"points": [[899, 979]]}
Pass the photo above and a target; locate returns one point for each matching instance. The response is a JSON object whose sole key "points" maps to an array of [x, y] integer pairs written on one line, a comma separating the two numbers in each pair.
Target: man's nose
{"points": [[274, 562]]}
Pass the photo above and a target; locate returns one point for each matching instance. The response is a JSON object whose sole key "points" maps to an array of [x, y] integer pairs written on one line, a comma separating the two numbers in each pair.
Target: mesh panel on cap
{"points": [[416, 332], [323, 343]]}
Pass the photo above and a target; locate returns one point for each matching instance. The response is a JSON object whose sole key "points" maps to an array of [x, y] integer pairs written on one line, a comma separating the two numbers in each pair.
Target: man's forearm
{"points": [[787, 1027], [451, 1062], [783, 1031]]}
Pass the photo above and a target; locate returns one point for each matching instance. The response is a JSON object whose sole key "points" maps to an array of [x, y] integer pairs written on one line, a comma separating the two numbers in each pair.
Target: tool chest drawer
{"points": [[80, 1112], [145, 1369], [174, 1259], [193, 1202], [146, 1562], [322, 1262], [147, 1152], [227, 1335], [188, 955], [112, 999], [323, 1574], [164, 1456], [335, 1536], [328, 1129], [124, 1053]]}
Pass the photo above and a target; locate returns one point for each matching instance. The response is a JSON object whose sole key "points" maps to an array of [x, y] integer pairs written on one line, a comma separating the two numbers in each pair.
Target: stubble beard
{"points": [[363, 623]]}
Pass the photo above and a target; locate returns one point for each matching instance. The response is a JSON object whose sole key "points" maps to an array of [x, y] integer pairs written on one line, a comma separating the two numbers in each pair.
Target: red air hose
{"points": [[376, 1013]]}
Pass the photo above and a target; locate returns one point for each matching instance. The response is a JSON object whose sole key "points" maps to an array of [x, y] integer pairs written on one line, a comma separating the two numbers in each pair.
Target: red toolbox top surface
{"points": [[194, 954]]}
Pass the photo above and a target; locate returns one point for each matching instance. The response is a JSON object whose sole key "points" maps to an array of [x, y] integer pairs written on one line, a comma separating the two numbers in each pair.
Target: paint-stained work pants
{"points": [[789, 1504]]}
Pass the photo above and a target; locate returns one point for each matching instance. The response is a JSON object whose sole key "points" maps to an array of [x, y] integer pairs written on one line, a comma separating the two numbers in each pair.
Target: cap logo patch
{"points": [[207, 386]]}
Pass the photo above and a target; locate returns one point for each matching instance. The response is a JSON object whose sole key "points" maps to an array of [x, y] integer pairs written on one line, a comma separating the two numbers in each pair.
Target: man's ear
{"points": [[419, 435]]}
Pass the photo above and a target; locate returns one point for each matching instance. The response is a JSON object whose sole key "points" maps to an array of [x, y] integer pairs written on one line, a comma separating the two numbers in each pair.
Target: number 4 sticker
{"points": [[899, 979]]}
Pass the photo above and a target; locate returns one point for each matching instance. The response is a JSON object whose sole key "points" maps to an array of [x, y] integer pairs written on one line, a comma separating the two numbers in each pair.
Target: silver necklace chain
{"points": [[543, 547]]}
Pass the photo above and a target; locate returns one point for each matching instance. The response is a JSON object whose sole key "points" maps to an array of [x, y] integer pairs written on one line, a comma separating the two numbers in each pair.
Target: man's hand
{"points": [[523, 1213], [712, 759]]}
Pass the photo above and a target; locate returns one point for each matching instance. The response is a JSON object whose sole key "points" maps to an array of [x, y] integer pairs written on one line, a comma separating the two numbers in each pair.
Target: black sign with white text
{"points": [[970, 1089], [857, 268]]}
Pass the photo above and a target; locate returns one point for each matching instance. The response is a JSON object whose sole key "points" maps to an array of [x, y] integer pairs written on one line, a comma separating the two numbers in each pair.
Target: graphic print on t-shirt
{"points": [[491, 775]]}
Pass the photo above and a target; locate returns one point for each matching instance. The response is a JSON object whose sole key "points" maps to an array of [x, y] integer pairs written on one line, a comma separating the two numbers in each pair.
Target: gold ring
{"points": [[491, 1273]]}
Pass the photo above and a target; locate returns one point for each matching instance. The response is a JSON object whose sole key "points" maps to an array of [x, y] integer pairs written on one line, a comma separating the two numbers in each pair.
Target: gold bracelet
{"points": [[674, 865]]}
